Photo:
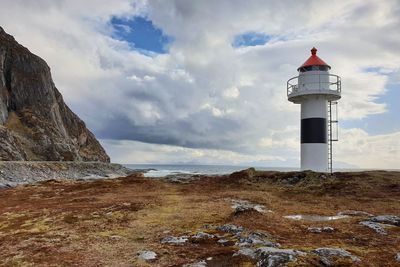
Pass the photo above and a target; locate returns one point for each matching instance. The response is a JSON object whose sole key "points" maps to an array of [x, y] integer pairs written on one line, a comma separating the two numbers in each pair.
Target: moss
{"points": [[38, 225], [117, 216], [123, 232], [19, 261], [247, 264], [4, 225]]}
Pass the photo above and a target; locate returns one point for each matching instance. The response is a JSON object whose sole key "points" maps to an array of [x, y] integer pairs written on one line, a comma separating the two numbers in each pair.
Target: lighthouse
{"points": [[317, 92]]}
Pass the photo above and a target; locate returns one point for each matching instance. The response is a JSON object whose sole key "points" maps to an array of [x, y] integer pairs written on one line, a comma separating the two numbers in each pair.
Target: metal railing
{"points": [[334, 83]]}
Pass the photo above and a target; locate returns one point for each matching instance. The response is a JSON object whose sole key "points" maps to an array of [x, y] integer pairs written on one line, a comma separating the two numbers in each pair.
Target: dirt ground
{"points": [[106, 222]]}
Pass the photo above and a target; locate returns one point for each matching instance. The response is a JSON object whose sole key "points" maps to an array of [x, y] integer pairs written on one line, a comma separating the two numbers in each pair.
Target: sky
{"points": [[204, 82]]}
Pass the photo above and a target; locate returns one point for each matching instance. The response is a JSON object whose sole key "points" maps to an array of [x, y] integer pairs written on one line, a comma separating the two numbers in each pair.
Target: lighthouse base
{"points": [[314, 156]]}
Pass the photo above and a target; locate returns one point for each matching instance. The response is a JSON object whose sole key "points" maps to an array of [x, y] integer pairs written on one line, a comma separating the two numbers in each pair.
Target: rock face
{"points": [[35, 123]]}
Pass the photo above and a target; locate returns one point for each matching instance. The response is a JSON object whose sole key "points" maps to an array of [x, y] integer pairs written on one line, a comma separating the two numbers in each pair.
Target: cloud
{"points": [[205, 94], [358, 148], [125, 151]]}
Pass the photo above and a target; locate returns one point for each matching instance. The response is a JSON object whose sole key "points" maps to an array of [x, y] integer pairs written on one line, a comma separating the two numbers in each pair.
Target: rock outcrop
{"points": [[14, 173], [35, 123]]}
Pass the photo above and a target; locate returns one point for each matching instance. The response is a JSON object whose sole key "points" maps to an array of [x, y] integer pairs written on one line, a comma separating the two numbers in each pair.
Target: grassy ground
{"points": [[104, 223]]}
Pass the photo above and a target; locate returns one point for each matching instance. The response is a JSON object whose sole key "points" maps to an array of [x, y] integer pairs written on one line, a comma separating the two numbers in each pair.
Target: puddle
{"points": [[316, 218]]}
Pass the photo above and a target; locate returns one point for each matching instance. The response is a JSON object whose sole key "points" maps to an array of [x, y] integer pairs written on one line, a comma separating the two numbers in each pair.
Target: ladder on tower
{"points": [[333, 130]]}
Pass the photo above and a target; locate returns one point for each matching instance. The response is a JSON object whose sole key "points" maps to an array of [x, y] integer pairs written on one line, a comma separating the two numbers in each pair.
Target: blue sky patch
{"points": [[372, 69], [141, 34], [383, 123], [251, 39]]}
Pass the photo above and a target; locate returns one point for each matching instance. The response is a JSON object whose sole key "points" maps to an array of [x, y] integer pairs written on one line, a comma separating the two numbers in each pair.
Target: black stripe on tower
{"points": [[313, 130]]}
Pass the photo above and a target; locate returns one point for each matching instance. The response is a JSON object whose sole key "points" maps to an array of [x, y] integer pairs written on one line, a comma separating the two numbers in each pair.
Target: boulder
{"points": [[180, 240], [328, 256], [386, 219], [241, 206], [202, 236], [230, 228], [377, 227], [147, 255], [256, 239], [276, 257]]}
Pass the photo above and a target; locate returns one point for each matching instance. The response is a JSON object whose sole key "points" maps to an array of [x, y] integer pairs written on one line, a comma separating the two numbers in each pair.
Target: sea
{"points": [[153, 170]]}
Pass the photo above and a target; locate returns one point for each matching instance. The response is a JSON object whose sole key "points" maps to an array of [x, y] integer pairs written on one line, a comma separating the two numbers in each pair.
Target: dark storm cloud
{"points": [[188, 133]]}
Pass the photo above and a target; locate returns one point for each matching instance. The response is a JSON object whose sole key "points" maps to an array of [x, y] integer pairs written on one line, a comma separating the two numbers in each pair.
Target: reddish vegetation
{"points": [[104, 223]]}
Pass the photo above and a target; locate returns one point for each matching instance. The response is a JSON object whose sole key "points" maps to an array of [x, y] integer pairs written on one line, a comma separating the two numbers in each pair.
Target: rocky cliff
{"points": [[35, 123]]}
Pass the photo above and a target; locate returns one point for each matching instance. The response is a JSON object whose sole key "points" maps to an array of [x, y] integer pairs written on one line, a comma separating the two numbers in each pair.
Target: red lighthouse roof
{"points": [[314, 60]]}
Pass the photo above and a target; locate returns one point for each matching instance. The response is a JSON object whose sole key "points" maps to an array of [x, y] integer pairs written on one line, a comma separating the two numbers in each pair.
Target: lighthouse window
{"points": [[311, 68], [304, 69]]}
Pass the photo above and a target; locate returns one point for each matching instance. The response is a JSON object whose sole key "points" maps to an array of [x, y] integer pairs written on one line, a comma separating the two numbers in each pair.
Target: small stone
{"points": [[377, 227], [115, 237], [147, 255], [291, 180], [209, 258], [323, 177], [222, 241], [318, 230], [255, 238], [249, 252], [202, 235], [196, 264], [315, 218], [326, 255], [225, 242], [180, 240], [230, 228]]}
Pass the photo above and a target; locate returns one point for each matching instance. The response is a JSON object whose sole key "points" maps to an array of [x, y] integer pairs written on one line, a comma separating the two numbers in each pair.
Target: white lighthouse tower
{"points": [[317, 91]]}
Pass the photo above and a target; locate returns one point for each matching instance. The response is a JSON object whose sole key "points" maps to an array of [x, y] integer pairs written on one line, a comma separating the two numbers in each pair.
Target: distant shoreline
{"points": [[160, 170]]}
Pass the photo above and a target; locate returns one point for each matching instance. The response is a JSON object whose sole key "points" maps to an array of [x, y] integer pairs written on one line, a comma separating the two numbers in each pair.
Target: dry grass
{"points": [[104, 223]]}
